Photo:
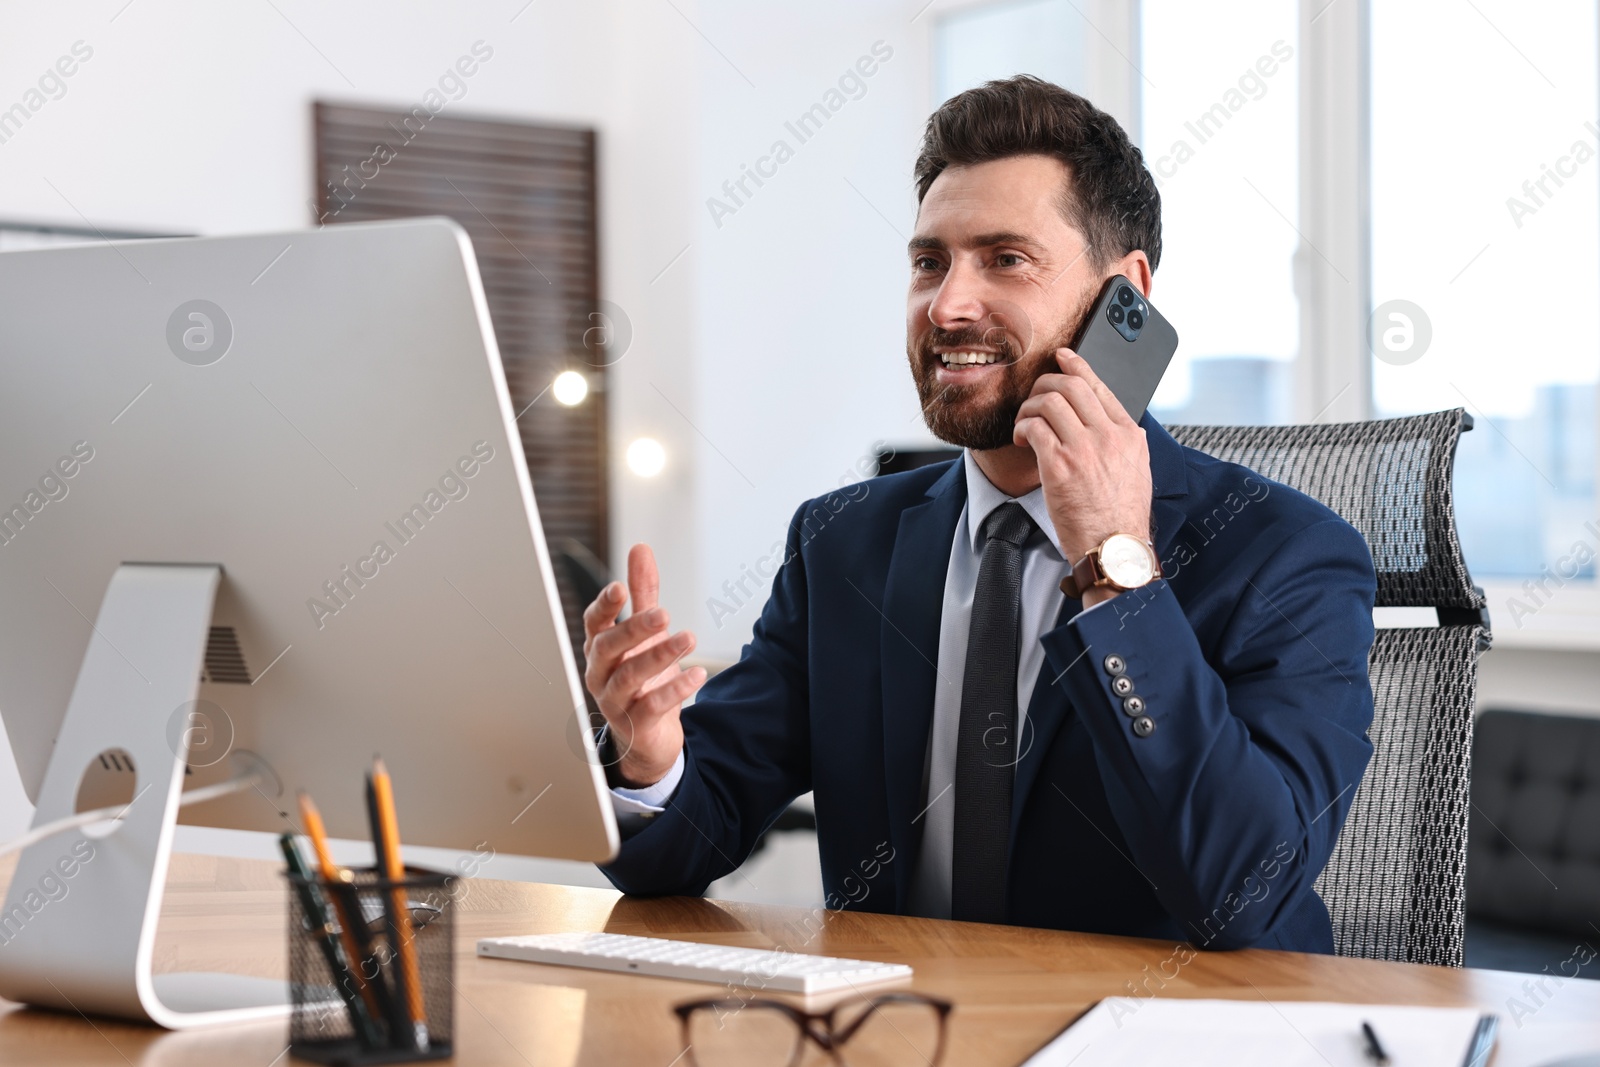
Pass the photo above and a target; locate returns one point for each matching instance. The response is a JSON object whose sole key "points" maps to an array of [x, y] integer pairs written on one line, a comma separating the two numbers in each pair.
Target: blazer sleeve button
{"points": [[1144, 726], [1122, 685], [1133, 707], [1114, 665]]}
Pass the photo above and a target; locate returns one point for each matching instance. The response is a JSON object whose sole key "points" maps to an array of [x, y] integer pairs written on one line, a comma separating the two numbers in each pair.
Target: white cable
{"points": [[117, 811], [71, 822], [236, 784]]}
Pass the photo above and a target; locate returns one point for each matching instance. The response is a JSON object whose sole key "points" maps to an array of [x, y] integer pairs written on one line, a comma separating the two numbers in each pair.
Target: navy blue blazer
{"points": [[1250, 656]]}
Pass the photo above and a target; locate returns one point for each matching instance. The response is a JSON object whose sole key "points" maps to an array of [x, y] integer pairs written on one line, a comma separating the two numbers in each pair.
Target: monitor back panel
{"points": [[335, 431]]}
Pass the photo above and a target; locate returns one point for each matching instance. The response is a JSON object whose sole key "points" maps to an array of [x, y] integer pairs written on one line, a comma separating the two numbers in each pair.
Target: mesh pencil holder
{"points": [[371, 967]]}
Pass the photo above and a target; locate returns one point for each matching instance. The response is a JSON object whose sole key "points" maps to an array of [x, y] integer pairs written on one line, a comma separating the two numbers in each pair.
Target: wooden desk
{"points": [[1013, 987]]}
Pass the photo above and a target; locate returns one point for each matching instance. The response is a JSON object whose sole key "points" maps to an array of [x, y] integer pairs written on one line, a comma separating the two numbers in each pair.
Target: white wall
{"points": [[801, 359]]}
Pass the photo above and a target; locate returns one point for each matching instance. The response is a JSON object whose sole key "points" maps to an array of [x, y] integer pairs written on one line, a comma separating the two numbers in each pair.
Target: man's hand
{"points": [[633, 672], [1094, 463]]}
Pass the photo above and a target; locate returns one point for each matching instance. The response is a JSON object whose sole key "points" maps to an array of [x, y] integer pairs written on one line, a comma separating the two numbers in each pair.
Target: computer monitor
{"points": [[264, 506]]}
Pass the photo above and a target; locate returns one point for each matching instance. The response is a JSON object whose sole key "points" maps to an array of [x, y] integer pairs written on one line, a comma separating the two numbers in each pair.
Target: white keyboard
{"points": [[750, 969]]}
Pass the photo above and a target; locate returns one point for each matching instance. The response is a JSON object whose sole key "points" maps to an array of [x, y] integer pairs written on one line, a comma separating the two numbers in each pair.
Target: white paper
{"points": [[1243, 1033]]}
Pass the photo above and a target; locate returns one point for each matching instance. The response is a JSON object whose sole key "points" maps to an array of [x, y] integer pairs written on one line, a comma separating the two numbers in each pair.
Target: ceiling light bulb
{"points": [[646, 457], [570, 388]]}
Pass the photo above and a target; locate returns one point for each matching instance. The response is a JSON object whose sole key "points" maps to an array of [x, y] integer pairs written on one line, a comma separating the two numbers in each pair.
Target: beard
{"points": [[958, 414]]}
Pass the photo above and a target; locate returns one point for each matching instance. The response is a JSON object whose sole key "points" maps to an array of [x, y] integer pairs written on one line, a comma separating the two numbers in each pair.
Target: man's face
{"points": [[999, 281]]}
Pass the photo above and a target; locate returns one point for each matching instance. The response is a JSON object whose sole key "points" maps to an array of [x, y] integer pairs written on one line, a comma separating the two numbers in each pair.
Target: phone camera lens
{"points": [[1116, 315], [1125, 296], [1135, 320]]}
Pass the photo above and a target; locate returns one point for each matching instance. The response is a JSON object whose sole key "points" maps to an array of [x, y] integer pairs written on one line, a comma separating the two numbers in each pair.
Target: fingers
{"points": [[602, 614], [1035, 433], [632, 666], [644, 581], [633, 676], [1054, 416], [1077, 367], [1049, 421], [611, 646], [1069, 403], [605, 642], [667, 696]]}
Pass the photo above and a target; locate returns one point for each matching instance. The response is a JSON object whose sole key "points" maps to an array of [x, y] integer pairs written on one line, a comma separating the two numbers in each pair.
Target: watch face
{"points": [[1127, 561]]}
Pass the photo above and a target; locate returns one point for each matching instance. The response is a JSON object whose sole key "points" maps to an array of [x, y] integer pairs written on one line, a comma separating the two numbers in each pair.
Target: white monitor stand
{"points": [[90, 950]]}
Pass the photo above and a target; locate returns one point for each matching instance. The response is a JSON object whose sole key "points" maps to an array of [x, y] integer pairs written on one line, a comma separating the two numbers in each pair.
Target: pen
{"points": [[386, 843], [321, 926], [373, 958], [349, 912], [1375, 1051]]}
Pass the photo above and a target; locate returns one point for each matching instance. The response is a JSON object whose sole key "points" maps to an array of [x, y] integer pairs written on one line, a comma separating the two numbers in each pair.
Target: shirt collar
{"points": [[983, 498]]}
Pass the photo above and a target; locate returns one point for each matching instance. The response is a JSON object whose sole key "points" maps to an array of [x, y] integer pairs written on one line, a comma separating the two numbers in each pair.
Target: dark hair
{"points": [[1111, 198]]}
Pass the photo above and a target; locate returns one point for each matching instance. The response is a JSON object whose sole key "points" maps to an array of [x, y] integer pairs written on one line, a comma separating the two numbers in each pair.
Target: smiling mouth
{"points": [[968, 358]]}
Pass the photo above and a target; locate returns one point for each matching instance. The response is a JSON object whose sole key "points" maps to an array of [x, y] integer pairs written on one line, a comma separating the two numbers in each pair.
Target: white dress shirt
{"points": [[1043, 568]]}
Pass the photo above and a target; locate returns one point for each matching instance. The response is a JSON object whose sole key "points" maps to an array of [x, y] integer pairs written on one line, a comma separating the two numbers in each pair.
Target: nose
{"points": [[959, 302]]}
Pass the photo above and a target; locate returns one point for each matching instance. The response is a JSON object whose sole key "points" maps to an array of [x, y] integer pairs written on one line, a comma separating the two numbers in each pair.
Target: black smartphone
{"points": [[1127, 343]]}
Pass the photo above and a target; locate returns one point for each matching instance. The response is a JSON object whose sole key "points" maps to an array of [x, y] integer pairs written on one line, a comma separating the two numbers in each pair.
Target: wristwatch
{"points": [[1121, 562]]}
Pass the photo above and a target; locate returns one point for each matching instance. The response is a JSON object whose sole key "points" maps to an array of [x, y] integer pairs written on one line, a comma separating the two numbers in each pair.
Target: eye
{"points": [[1007, 259], [924, 263]]}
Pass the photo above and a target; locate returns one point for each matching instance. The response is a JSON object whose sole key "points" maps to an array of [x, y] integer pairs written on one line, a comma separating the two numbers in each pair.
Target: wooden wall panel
{"points": [[526, 194]]}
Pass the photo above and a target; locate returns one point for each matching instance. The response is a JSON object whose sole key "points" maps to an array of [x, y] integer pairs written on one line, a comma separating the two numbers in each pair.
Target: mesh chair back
{"points": [[1396, 882]]}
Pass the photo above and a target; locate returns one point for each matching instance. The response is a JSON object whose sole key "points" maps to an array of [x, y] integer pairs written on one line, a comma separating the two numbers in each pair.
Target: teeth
{"points": [[962, 359]]}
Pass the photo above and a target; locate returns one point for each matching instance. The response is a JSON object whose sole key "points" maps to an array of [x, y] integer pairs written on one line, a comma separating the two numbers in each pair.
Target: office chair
{"points": [[898, 460], [1535, 827], [1396, 883]]}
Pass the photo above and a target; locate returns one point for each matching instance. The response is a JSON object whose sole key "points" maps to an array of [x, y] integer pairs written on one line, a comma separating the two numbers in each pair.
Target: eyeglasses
{"points": [[889, 1030]]}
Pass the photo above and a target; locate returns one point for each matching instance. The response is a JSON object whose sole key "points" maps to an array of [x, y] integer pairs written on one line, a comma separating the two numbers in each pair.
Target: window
{"points": [[1373, 210], [1486, 263], [1220, 117]]}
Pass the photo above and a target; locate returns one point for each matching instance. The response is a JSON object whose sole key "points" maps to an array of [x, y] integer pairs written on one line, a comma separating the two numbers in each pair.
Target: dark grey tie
{"points": [[986, 740]]}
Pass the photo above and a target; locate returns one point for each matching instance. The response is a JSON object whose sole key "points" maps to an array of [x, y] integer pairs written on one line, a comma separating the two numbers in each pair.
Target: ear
{"points": [[1135, 266]]}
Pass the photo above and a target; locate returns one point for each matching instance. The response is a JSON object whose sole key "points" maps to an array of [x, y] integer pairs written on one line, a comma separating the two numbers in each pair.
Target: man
{"points": [[991, 732]]}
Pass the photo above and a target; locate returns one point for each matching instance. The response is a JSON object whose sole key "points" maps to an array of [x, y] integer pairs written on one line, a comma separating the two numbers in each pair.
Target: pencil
{"points": [[397, 1004], [386, 842]]}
